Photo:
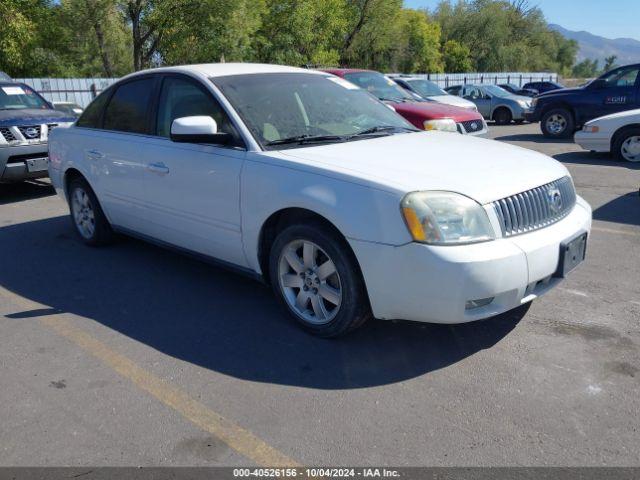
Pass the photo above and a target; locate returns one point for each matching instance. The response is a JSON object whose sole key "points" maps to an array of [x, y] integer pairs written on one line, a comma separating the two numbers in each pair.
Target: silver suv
{"points": [[25, 121]]}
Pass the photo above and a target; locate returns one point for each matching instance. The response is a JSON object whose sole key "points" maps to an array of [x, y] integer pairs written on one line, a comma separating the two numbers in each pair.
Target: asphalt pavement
{"points": [[134, 355]]}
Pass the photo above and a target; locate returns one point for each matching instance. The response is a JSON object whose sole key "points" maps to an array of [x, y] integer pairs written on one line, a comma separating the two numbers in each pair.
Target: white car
{"points": [[618, 133], [430, 91], [306, 181]]}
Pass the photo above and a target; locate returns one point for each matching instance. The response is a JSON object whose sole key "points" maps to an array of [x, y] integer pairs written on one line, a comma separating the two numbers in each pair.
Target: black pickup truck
{"points": [[562, 112]]}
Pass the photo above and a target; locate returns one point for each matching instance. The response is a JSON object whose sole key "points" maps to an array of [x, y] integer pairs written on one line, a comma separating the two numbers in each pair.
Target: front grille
{"points": [[30, 132], [535, 208], [7, 134], [472, 126]]}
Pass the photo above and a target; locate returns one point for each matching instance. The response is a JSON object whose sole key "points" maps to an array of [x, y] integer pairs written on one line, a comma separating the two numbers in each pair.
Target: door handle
{"points": [[158, 167], [95, 154]]}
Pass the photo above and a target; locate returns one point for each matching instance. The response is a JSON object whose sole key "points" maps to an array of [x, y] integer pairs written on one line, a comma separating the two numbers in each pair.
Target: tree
{"points": [[456, 57], [609, 63], [301, 32], [420, 43], [16, 32], [586, 69]]}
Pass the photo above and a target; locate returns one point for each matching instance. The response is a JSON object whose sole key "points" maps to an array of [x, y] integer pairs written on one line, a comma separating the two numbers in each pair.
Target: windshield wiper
{"points": [[382, 129], [302, 139]]}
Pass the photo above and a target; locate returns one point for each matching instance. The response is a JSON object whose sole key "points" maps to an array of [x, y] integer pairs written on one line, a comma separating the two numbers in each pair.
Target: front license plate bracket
{"points": [[572, 253]]}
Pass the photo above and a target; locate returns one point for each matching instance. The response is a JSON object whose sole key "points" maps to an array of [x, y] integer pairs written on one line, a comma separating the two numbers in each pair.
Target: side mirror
{"points": [[198, 129]]}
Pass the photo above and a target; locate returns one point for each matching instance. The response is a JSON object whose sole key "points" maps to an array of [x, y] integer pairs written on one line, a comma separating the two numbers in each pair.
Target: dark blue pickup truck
{"points": [[562, 112]]}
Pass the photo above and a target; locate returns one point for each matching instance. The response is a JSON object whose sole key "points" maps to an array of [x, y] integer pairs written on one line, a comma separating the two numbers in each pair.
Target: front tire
{"points": [[87, 217], [315, 276], [627, 145], [502, 116], [557, 123]]}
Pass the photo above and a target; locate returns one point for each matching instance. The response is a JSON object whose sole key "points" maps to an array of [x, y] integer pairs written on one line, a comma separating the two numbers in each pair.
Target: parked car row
{"points": [[319, 186]]}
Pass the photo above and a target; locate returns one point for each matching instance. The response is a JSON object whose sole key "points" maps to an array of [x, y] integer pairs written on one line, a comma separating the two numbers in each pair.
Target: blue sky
{"points": [[607, 18]]}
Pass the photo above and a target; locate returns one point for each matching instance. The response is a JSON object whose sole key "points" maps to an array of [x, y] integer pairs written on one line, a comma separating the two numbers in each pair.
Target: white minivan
{"points": [[311, 184]]}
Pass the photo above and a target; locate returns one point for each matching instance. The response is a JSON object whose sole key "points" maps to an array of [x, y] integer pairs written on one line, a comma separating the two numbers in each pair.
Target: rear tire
{"points": [[627, 145], [557, 123], [502, 116], [316, 278], [87, 217]]}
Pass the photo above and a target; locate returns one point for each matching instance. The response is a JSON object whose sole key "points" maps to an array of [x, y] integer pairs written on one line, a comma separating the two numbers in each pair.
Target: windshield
{"points": [[426, 88], [18, 97], [380, 86], [280, 106], [496, 91]]}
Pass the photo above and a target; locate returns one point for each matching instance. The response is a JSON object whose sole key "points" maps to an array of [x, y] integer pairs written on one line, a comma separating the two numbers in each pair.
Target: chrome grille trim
{"points": [[7, 134], [533, 209]]}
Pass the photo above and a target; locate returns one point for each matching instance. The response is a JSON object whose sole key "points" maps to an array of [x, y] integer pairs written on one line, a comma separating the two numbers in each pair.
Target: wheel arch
{"points": [[498, 107], [281, 219], [558, 105], [71, 173], [620, 131]]}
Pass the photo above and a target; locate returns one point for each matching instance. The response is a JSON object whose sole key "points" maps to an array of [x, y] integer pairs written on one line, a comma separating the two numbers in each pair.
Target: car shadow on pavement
{"points": [[624, 210], [529, 137], [220, 320], [19, 191], [595, 158]]}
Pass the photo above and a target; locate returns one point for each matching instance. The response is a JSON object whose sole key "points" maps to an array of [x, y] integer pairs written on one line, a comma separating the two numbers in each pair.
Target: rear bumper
{"points": [[13, 166], [433, 284]]}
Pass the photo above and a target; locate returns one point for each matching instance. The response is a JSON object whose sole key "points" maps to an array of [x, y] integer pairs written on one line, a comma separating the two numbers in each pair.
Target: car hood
{"points": [[484, 170], [561, 91], [632, 116], [453, 100], [435, 110], [32, 116]]}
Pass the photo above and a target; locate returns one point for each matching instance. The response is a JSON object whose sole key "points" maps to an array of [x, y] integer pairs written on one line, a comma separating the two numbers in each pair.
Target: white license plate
{"points": [[37, 164]]}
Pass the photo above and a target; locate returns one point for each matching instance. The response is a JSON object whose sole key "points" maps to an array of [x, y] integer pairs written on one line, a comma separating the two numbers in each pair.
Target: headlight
{"points": [[445, 218], [523, 103], [591, 129], [534, 102], [444, 124]]}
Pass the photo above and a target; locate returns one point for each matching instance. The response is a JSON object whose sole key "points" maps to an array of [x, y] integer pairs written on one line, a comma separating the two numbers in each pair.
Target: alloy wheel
{"points": [[83, 214], [309, 282], [556, 124]]}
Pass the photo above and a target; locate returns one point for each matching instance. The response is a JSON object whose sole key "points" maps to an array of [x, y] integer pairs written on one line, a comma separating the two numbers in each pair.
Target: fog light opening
{"points": [[480, 302]]}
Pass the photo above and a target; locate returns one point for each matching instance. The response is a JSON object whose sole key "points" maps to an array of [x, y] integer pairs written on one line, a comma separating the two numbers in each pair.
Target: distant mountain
{"points": [[592, 46]]}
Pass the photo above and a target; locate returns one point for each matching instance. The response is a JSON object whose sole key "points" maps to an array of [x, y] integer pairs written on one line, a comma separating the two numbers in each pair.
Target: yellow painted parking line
{"points": [[616, 232], [241, 440]]}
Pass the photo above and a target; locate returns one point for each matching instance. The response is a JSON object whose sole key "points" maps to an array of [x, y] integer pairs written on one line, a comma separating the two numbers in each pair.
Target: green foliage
{"points": [[113, 37], [586, 69], [505, 36], [419, 43], [609, 63], [457, 57]]}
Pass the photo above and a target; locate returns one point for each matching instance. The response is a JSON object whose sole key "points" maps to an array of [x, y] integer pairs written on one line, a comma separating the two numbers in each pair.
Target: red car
{"points": [[423, 114]]}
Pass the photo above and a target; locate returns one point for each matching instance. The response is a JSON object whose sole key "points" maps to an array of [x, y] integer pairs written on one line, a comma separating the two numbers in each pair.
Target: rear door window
{"points": [[128, 108]]}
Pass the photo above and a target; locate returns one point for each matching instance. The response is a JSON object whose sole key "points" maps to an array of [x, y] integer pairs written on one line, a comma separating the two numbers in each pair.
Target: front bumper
{"points": [[532, 116], [593, 142], [433, 284], [13, 165]]}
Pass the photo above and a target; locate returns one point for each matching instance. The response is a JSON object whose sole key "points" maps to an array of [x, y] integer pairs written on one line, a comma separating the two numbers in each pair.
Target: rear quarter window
{"points": [[92, 116]]}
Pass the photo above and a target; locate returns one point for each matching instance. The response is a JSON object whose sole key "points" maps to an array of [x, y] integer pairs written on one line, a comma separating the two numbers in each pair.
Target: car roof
{"points": [[226, 69], [343, 71]]}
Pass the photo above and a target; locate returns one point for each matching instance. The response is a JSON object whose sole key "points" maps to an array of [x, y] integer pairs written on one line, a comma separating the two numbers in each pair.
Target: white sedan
{"points": [[312, 185], [618, 133]]}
